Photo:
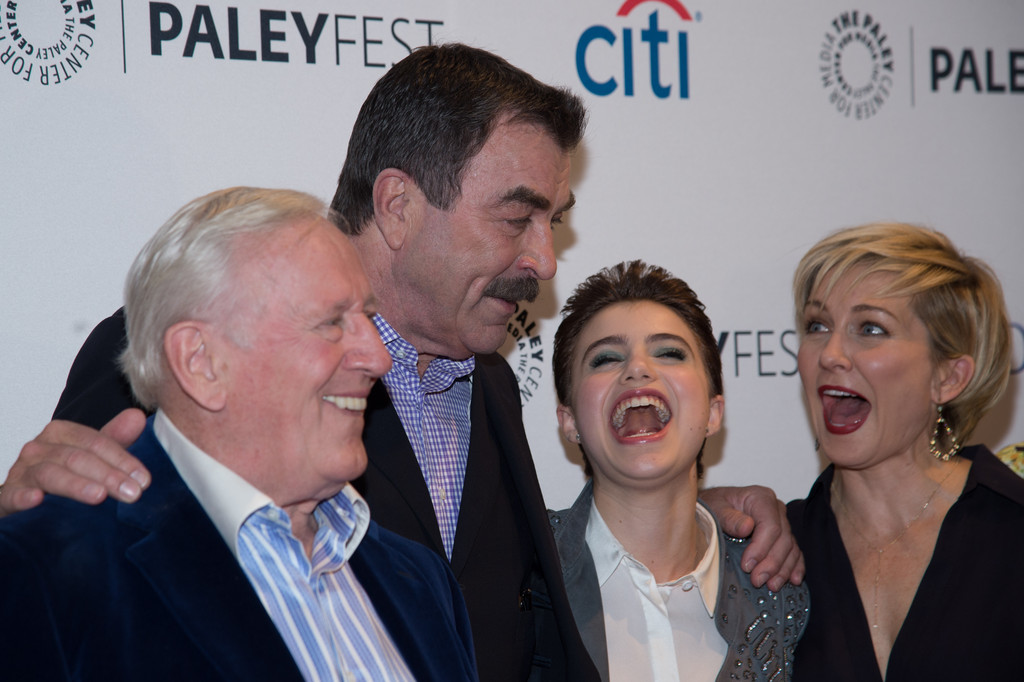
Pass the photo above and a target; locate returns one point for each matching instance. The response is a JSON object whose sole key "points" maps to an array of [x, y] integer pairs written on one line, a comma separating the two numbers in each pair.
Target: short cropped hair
{"points": [[958, 298], [629, 282], [432, 112], [185, 271]]}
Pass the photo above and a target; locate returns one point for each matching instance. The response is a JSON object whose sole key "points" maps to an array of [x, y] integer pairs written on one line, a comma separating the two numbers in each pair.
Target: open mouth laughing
{"points": [[640, 416], [844, 411]]}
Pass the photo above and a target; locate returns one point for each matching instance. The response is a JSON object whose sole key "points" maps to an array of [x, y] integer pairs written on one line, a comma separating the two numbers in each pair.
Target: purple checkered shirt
{"points": [[434, 411]]}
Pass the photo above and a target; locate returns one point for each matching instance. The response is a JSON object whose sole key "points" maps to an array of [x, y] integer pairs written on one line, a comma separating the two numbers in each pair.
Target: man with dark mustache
{"points": [[456, 173]]}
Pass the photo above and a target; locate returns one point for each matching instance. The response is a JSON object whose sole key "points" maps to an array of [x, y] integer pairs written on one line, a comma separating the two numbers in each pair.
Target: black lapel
{"points": [[393, 484], [505, 418], [483, 474]]}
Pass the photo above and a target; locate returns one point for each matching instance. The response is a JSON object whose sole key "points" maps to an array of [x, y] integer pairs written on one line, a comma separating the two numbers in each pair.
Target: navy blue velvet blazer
{"points": [[150, 591]]}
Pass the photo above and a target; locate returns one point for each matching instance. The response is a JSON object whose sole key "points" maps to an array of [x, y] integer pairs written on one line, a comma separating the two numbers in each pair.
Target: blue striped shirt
{"points": [[318, 606], [434, 411]]}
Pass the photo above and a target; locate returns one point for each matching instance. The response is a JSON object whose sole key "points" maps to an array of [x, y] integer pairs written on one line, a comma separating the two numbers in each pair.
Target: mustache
{"points": [[513, 289]]}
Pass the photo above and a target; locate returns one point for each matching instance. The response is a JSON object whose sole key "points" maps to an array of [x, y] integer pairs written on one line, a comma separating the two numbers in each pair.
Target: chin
{"points": [[488, 342], [656, 472], [848, 455]]}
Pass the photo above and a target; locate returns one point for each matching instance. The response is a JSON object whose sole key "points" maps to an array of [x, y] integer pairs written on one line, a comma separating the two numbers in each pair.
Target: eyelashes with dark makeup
{"points": [[603, 359], [606, 357], [674, 353]]}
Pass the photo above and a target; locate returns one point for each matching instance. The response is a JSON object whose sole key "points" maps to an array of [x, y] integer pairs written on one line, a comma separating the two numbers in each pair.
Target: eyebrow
{"points": [[525, 195], [860, 308], [614, 340], [666, 336]]}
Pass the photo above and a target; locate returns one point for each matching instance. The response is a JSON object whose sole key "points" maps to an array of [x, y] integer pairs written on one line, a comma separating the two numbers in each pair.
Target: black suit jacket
{"points": [[503, 542]]}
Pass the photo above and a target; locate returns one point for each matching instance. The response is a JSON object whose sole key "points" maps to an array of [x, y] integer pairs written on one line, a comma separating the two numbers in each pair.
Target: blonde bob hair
{"points": [[958, 298]]}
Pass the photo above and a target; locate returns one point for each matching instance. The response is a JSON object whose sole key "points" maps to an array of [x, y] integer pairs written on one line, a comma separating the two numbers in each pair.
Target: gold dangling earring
{"points": [[933, 446]]}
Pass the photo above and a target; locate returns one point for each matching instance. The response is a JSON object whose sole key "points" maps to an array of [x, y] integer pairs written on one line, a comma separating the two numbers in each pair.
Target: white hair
{"points": [[186, 268]]}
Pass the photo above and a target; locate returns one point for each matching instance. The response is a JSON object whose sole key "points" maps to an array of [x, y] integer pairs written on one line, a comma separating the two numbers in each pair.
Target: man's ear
{"points": [[951, 378], [395, 195], [189, 347], [567, 423]]}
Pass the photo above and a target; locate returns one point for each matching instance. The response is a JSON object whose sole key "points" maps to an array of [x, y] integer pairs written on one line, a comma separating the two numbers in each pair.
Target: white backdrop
{"points": [[116, 113]]}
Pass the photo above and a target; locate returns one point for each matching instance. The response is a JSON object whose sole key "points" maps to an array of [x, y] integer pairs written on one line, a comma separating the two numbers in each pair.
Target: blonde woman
{"points": [[913, 542]]}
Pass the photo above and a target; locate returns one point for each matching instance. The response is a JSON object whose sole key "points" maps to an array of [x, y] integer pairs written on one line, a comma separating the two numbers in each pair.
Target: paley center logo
{"points": [[524, 351], [611, 59], [46, 42], [856, 65]]}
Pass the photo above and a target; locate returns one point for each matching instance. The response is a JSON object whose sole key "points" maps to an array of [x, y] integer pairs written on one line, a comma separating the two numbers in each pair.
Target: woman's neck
{"points": [[886, 497], [659, 528]]}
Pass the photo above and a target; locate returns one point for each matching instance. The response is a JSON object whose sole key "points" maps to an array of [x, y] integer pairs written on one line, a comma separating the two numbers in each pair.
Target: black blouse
{"points": [[967, 618]]}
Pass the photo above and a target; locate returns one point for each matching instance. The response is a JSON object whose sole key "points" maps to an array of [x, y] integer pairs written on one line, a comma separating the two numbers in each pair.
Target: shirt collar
{"points": [[441, 372], [228, 499], [347, 514], [608, 553]]}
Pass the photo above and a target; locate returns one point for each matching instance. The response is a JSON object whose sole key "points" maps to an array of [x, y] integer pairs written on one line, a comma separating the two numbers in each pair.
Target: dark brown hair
{"points": [[433, 112]]}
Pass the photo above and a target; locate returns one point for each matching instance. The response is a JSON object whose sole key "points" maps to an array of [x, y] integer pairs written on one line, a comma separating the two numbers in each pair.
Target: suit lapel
{"points": [[184, 559], [483, 475], [391, 457], [504, 416], [505, 411]]}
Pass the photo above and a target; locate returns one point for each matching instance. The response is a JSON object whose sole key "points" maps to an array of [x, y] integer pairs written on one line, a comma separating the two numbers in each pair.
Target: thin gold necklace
{"points": [[899, 536]]}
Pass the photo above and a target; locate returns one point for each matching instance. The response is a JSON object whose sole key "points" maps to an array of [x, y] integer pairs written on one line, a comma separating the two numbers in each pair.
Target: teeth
{"points": [[346, 402], [839, 394], [619, 417]]}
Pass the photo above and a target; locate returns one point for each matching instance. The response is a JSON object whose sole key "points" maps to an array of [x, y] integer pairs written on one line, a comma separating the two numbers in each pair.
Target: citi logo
{"points": [[612, 59]]}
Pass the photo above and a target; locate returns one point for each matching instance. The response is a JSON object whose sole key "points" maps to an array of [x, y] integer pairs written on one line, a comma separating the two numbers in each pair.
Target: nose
{"points": [[367, 351], [833, 352], [638, 369], [538, 255]]}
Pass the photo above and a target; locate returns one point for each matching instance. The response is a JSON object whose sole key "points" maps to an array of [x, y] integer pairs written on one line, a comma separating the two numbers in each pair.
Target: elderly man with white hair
{"points": [[250, 556]]}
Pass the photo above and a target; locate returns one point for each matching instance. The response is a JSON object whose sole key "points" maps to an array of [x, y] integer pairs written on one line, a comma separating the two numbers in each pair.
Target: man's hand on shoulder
{"points": [[772, 556], [74, 461]]}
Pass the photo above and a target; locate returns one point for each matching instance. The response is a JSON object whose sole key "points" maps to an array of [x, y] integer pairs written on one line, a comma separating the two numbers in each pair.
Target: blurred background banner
{"points": [[725, 138]]}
